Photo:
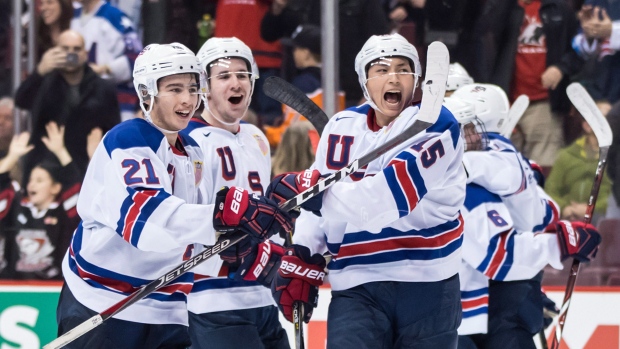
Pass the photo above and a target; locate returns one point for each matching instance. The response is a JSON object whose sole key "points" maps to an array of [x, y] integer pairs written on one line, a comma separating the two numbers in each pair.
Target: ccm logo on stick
{"points": [[301, 271]]}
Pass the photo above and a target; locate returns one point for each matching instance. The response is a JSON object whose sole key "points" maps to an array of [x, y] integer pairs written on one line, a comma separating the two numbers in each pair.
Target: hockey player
{"points": [[236, 154], [513, 179], [497, 313], [394, 229], [142, 214], [457, 77]]}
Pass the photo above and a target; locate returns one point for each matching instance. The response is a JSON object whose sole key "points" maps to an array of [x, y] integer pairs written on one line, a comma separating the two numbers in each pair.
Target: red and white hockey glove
{"points": [[288, 185], [261, 265], [298, 279], [577, 240], [236, 209]]}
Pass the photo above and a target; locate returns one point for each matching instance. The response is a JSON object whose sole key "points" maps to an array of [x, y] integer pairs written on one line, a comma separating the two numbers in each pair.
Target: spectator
{"points": [[359, 19], [613, 163], [38, 225], [7, 129], [112, 46], [570, 180], [66, 90], [55, 18], [241, 19], [6, 124], [306, 43], [526, 49], [296, 152]]}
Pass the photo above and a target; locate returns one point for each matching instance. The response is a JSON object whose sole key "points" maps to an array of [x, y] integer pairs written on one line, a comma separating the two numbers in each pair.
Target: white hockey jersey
{"points": [[141, 217], [244, 160], [502, 170], [493, 249], [399, 219]]}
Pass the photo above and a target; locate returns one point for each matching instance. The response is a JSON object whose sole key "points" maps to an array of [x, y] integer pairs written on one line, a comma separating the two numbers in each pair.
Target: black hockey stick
{"points": [[285, 93], [584, 103], [432, 98]]}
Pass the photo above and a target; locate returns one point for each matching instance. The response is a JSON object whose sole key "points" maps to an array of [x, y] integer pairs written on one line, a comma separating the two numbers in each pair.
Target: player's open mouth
{"points": [[392, 97], [183, 113], [235, 99]]}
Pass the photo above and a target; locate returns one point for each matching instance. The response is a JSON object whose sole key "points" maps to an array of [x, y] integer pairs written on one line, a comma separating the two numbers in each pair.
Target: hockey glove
{"points": [[236, 209], [261, 265], [298, 279], [289, 185], [577, 240], [234, 255]]}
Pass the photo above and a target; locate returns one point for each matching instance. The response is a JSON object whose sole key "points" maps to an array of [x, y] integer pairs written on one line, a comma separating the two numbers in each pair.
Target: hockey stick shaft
{"points": [[574, 270], [285, 93], [430, 109], [147, 289], [584, 103]]}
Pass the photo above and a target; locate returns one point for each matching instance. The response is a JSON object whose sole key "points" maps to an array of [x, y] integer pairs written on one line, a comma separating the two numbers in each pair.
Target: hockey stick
{"points": [[432, 98], [514, 115], [285, 93], [590, 112]]}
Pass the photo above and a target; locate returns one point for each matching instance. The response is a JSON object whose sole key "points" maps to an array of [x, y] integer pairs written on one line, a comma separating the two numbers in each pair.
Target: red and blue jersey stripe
{"points": [[499, 257], [391, 245], [475, 302], [405, 182], [136, 209], [102, 278]]}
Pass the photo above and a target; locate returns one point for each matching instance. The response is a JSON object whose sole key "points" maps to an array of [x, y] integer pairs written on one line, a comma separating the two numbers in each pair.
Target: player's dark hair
{"points": [[367, 68]]}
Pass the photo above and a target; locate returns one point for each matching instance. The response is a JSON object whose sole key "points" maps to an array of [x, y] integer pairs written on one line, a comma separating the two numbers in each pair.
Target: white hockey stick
{"points": [[590, 112], [432, 97], [514, 115]]}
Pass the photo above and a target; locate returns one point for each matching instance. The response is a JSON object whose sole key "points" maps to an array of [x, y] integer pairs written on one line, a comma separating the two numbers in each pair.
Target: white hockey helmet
{"points": [[490, 101], [474, 136], [157, 61], [216, 48], [378, 46], [457, 77]]}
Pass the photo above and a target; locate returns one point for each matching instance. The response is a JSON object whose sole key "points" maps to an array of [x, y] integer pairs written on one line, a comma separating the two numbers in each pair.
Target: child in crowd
{"points": [[37, 224]]}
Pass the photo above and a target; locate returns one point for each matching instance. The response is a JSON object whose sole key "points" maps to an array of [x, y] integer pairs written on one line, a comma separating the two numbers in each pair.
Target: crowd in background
{"points": [[82, 87]]}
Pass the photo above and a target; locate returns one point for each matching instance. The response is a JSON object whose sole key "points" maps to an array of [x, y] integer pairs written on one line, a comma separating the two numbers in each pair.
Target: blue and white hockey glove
{"points": [[298, 280], [288, 185], [577, 240], [258, 216]]}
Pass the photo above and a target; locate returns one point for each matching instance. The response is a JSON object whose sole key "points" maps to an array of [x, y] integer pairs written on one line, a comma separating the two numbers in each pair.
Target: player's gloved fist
{"points": [[236, 209], [234, 255], [577, 240], [288, 185], [261, 264], [298, 280]]}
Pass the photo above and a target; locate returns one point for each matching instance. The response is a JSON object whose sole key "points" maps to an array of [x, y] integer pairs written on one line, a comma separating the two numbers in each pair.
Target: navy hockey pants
{"points": [[399, 315], [515, 316], [115, 333], [255, 328]]}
